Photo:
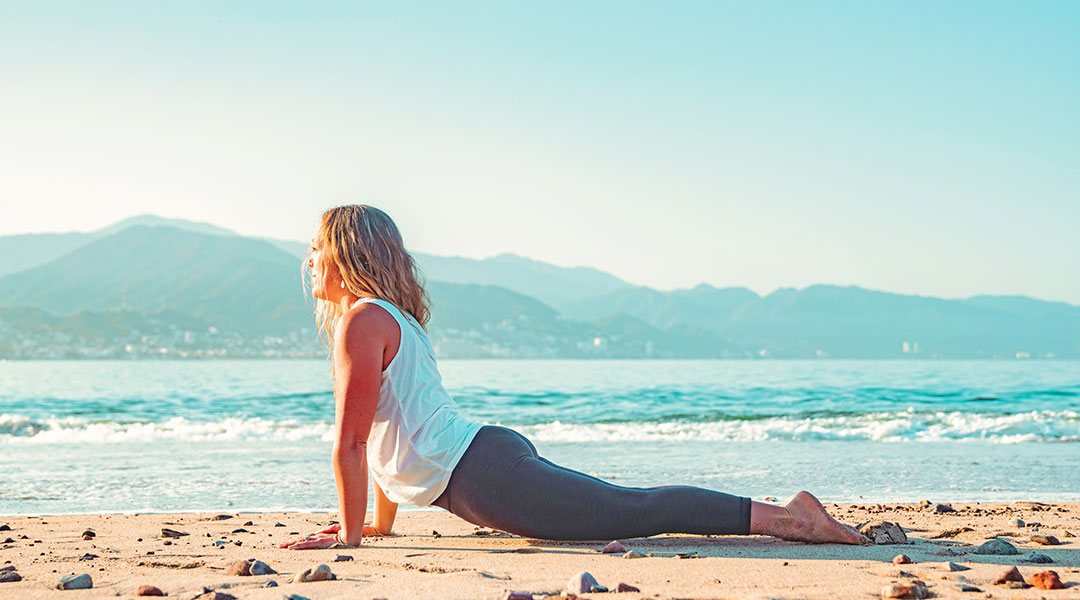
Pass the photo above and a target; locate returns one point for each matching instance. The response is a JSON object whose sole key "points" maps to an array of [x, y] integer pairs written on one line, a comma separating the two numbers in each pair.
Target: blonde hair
{"points": [[366, 246]]}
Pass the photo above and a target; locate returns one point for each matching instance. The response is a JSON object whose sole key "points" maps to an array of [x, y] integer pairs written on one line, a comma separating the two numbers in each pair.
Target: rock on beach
{"points": [[614, 547], [1013, 574], [75, 582], [582, 583], [148, 590], [905, 590], [1046, 580], [317, 573], [883, 532], [997, 547]]}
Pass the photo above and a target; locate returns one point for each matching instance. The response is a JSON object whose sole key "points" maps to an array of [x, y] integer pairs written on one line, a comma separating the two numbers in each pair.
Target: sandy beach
{"points": [[463, 561]]}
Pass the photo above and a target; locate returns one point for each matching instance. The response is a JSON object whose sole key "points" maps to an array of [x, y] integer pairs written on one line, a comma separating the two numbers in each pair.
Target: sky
{"points": [[915, 147]]}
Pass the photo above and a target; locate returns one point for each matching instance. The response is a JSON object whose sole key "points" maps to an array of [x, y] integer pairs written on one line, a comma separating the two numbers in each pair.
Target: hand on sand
{"points": [[323, 538], [811, 523]]}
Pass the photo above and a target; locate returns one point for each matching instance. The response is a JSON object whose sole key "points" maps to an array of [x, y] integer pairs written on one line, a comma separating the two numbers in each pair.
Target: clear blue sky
{"points": [[917, 147]]}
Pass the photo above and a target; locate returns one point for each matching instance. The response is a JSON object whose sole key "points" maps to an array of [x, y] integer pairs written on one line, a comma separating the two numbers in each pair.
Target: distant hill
{"points": [[244, 284], [169, 275]]}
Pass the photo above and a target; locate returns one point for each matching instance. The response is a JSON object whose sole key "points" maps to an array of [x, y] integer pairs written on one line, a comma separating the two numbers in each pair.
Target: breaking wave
{"points": [[896, 426]]}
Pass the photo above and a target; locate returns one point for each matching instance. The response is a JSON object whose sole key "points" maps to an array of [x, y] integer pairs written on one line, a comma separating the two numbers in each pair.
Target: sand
{"points": [[413, 563]]}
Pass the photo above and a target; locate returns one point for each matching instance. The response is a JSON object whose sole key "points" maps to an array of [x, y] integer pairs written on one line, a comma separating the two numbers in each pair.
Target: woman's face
{"points": [[325, 277]]}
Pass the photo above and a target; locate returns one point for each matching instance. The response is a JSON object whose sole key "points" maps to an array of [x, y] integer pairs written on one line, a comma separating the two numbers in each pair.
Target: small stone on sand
{"points": [[1017, 523], [905, 590], [943, 508], [1045, 540], [172, 533], [148, 590], [212, 595], [9, 576], [998, 547], [317, 573], [342, 558], [626, 587], [75, 582], [220, 517], [951, 566], [964, 587], [249, 567], [633, 554], [5, 527], [614, 547], [88, 532], [1038, 558], [883, 532], [1013, 574], [295, 597], [517, 596], [1046, 580], [901, 559], [582, 583]]}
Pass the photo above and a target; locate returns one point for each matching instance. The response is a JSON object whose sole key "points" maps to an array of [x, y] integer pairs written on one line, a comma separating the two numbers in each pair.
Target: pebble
{"points": [[582, 583], [1038, 558], [517, 596], [220, 517], [342, 558], [88, 532], [318, 573], [943, 508], [249, 567], [5, 527], [212, 595], [1046, 580], [8, 541], [1013, 574], [905, 590], [955, 567], [964, 587], [901, 559], [249, 524], [240, 530], [883, 532], [1017, 523], [998, 547], [172, 533], [148, 590], [9, 576], [75, 582], [88, 556], [614, 547], [294, 597], [946, 552], [279, 524], [1045, 540], [435, 534], [633, 554], [626, 587], [271, 583]]}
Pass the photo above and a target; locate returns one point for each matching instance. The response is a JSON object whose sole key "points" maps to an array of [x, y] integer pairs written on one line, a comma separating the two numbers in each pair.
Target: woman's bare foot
{"points": [[806, 521]]}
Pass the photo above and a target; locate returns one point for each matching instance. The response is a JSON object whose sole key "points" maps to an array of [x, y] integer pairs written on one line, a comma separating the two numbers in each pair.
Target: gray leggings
{"points": [[501, 482]]}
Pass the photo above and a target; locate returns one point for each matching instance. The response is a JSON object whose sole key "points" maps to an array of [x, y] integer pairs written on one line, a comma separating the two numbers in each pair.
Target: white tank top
{"points": [[417, 437]]}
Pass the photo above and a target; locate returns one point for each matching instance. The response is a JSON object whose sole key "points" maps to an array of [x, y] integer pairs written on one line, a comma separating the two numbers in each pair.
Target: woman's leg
{"points": [[502, 482]]}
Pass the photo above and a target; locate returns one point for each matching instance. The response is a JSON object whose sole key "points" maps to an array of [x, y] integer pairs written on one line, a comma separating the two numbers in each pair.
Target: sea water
{"points": [[157, 436]]}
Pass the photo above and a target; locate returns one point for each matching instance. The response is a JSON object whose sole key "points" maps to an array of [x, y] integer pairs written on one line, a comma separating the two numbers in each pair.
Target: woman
{"points": [[395, 420]]}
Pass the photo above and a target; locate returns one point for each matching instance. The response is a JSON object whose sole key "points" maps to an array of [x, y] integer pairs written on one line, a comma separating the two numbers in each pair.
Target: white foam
{"points": [[902, 426], [22, 429], [1035, 426]]}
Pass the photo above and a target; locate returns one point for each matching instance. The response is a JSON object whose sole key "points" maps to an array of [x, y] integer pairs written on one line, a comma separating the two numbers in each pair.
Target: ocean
{"points": [[177, 436]]}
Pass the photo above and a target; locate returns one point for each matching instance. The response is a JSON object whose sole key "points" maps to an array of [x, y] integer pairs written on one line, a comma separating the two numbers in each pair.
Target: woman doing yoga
{"points": [[394, 420]]}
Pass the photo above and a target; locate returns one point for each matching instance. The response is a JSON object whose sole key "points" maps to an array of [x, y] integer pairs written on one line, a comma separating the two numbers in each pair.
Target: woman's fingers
{"points": [[336, 527]]}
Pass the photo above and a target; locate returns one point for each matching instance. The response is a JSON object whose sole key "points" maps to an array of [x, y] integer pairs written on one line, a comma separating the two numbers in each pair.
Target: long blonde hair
{"points": [[366, 246]]}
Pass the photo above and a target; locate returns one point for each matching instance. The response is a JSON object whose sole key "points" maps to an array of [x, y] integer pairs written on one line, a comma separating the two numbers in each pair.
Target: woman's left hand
{"points": [[309, 542]]}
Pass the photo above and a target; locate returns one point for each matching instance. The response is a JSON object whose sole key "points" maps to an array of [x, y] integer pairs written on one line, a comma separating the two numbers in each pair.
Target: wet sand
{"points": [[129, 551]]}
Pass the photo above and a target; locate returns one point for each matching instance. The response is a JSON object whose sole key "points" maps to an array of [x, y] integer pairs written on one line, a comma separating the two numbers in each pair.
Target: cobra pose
{"points": [[395, 422]]}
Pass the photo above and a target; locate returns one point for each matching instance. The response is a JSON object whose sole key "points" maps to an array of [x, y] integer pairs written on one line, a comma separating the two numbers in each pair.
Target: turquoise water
{"points": [[93, 436]]}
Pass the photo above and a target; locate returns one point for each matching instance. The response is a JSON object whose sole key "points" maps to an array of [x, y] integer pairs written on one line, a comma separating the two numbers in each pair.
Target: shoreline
{"points": [[128, 551]]}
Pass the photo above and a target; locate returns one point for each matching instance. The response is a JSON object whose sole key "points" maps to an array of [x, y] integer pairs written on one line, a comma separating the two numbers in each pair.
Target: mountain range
{"points": [[197, 276]]}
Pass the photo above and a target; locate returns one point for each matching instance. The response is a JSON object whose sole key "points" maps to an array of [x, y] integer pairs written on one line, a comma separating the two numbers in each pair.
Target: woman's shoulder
{"points": [[366, 322]]}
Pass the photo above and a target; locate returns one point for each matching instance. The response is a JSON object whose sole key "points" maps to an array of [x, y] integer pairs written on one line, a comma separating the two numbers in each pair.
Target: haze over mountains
{"points": [[149, 285]]}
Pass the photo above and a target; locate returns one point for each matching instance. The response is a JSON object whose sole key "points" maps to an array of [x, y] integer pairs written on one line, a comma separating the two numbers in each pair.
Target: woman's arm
{"points": [[359, 343], [385, 511]]}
